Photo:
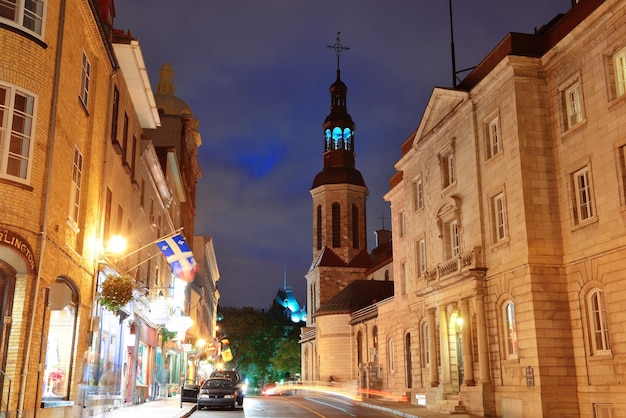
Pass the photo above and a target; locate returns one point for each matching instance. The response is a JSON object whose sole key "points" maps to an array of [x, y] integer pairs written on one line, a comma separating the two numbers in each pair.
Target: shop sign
{"points": [[11, 239]]}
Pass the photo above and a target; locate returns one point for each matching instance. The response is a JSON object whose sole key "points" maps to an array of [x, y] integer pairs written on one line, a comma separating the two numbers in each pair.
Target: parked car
{"points": [[234, 377], [189, 391], [218, 392]]}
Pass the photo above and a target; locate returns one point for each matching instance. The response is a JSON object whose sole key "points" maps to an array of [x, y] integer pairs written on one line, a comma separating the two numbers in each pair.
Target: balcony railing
{"points": [[461, 263]]}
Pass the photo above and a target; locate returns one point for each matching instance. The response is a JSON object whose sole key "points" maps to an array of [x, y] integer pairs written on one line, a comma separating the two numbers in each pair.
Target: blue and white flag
{"points": [[179, 256]]}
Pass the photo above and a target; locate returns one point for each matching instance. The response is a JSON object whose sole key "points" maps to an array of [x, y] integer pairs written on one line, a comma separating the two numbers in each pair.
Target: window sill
{"points": [[570, 131], [586, 222], [601, 356], [73, 225], [500, 243]]}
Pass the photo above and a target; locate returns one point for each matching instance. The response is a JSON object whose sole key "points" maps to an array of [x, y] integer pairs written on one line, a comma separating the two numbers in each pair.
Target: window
{"points": [[404, 282], [25, 14], [421, 258], [319, 227], [62, 303], [499, 218], [448, 170], [598, 324], [336, 219], [510, 330], [622, 166], [125, 143], [85, 80], [425, 345], [573, 106], [359, 348], [17, 125], [355, 226], [114, 114], [402, 224], [77, 175], [619, 66], [583, 209], [455, 246], [390, 355], [408, 360], [493, 133], [418, 194]]}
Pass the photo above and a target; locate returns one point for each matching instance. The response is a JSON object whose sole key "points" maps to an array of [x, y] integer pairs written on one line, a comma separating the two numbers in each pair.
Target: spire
{"points": [[338, 47]]}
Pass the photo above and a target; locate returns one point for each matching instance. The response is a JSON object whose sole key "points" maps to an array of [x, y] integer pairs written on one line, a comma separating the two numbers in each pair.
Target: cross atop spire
{"points": [[338, 47]]}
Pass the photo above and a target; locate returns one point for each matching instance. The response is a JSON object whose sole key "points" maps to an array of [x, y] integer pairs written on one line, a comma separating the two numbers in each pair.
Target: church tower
{"points": [[339, 196]]}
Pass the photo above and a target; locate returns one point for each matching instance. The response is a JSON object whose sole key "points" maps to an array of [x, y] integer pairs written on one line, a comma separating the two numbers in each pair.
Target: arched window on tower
{"points": [[336, 225], [318, 232], [355, 226], [337, 138]]}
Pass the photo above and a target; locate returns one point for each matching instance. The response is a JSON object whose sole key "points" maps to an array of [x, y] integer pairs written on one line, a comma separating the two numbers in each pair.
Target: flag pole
{"points": [[171, 234]]}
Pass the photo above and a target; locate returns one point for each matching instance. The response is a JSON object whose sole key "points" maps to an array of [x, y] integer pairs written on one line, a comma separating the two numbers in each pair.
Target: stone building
{"points": [[508, 224], [340, 257]]}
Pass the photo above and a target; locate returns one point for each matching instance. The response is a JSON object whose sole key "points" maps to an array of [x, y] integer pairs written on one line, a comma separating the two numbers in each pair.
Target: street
{"points": [[314, 405]]}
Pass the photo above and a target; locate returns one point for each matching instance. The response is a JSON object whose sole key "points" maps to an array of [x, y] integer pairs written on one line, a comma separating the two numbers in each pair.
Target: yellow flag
{"points": [[227, 355]]}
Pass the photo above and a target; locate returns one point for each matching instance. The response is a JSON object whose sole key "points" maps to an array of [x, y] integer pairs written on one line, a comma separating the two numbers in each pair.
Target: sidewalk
{"points": [[171, 408], [161, 408], [408, 410]]}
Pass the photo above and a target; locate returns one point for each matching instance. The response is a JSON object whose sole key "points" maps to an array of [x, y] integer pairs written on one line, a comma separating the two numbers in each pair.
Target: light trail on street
{"points": [[301, 406]]}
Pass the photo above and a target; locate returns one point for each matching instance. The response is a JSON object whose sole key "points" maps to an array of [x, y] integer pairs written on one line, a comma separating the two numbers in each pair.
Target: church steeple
{"points": [[339, 191]]}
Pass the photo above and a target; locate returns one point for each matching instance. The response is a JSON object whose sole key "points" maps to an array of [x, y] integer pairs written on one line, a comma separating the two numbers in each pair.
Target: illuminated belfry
{"points": [[339, 197]]}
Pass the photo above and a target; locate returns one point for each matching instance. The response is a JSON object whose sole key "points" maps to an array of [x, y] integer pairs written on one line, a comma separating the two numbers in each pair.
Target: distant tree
{"points": [[286, 359], [253, 339]]}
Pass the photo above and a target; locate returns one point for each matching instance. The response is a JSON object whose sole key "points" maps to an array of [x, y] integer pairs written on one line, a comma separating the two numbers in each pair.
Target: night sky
{"points": [[256, 75]]}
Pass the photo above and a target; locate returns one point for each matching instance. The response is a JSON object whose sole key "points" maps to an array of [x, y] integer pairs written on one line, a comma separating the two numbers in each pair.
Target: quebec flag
{"points": [[179, 256]]}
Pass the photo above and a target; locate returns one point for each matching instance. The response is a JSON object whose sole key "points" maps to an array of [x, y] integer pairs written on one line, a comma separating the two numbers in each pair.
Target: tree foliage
{"points": [[263, 349]]}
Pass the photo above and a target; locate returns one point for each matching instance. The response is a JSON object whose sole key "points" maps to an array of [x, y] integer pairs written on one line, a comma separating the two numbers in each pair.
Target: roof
{"points": [[357, 295]]}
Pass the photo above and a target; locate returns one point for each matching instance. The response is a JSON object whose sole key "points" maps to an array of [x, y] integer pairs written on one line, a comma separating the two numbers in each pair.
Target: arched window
{"points": [[390, 355], [355, 226], [359, 347], [336, 219], [510, 330], [409, 361], [319, 227], [62, 308], [597, 322]]}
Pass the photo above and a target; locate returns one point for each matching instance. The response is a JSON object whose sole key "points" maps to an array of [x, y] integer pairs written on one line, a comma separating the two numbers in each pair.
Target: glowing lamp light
{"points": [[117, 245]]}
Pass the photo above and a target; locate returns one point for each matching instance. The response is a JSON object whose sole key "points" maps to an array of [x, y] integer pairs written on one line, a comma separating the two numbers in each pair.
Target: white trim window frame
{"points": [[425, 345], [26, 15], [455, 239], [619, 67], [510, 330], [421, 257], [85, 80], [75, 187], [418, 194], [402, 217], [600, 342], [583, 194], [493, 132], [17, 127], [448, 170], [499, 217], [573, 105]]}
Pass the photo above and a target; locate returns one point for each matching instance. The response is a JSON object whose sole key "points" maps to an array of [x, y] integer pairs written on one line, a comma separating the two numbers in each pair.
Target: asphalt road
{"points": [[304, 406]]}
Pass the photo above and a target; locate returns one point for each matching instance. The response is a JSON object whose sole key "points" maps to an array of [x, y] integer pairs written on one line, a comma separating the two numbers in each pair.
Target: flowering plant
{"points": [[117, 291]]}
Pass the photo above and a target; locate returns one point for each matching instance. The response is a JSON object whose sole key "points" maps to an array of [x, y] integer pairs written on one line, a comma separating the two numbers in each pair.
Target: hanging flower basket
{"points": [[117, 291]]}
